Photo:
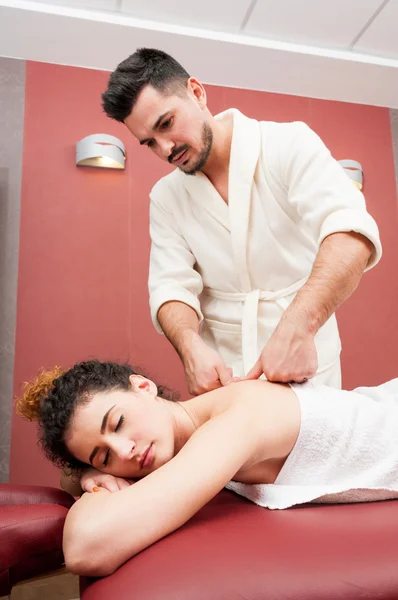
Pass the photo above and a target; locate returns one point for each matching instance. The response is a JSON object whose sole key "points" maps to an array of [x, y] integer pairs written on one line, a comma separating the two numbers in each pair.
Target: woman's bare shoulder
{"points": [[246, 394]]}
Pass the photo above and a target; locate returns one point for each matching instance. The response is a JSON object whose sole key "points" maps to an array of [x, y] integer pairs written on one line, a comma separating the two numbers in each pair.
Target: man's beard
{"points": [[207, 139]]}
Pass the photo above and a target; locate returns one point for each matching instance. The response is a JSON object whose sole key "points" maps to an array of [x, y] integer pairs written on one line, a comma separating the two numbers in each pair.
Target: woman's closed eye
{"points": [[118, 426], [119, 423], [106, 459]]}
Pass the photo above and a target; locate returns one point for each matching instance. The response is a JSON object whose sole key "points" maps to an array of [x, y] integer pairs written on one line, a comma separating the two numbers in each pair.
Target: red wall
{"points": [[84, 240]]}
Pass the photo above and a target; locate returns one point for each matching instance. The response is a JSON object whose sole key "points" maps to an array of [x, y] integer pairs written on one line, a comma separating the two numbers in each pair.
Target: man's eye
{"points": [[166, 124], [151, 143], [120, 423]]}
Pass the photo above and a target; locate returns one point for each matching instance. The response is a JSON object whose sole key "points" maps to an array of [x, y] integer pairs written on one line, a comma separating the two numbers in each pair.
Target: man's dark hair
{"points": [[145, 67]]}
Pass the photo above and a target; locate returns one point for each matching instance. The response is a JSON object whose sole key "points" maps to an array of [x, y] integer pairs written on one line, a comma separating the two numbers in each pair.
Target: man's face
{"points": [[173, 126]]}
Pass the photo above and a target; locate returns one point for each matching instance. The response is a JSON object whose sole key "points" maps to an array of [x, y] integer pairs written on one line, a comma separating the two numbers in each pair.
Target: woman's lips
{"points": [[147, 458]]}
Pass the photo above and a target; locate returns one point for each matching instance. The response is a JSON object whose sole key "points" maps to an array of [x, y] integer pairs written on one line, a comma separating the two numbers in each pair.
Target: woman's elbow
{"points": [[85, 553], [82, 557], [84, 565]]}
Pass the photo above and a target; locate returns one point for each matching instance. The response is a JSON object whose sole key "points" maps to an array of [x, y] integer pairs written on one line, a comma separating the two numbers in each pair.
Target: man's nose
{"points": [[166, 147]]}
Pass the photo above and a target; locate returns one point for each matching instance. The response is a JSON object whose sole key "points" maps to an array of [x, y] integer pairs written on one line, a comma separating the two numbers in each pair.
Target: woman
{"points": [[278, 445]]}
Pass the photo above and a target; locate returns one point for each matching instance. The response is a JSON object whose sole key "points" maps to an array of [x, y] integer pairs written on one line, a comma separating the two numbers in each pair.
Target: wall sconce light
{"points": [[100, 150], [354, 171]]}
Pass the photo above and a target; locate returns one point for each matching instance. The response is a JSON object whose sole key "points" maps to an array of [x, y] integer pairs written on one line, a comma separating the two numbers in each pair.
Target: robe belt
{"points": [[250, 311]]}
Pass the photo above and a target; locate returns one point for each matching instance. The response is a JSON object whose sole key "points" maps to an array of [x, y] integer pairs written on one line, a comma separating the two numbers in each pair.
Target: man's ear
{"points": [[143, 385], [197, 92]]}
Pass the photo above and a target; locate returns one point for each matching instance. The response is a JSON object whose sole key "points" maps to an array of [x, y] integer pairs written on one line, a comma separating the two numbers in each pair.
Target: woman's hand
{"points": [[92, 479]]}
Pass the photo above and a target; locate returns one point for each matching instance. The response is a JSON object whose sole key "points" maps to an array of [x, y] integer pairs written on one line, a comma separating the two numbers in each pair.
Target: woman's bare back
{"points": [[285, 426]]}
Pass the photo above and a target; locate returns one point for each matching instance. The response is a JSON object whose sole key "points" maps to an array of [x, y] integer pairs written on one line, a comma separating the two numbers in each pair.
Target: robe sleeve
{"points": [[324, 197], [171, 272]]}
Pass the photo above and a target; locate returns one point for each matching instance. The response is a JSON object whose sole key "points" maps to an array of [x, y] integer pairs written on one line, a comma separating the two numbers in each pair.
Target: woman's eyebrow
{"points": [[103, 427], [105, 419]]}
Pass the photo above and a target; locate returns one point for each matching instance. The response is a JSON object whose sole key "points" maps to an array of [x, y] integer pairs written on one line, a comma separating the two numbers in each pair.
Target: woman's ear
{"points": [[141, 384]]}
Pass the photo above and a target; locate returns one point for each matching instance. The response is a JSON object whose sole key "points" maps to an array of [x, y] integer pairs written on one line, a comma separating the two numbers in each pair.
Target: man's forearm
{"points": [[336, 273], [180, 324]]}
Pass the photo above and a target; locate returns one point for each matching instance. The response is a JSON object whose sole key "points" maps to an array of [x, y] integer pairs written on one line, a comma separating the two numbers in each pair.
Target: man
{"points": [[257, 237]]}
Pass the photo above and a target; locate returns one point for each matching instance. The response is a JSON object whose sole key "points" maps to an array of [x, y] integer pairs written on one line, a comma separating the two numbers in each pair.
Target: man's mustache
{"points": [[176, 152]]}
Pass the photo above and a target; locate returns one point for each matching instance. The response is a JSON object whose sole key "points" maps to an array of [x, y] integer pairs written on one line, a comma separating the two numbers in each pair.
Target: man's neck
{"points": [[218, 162]]}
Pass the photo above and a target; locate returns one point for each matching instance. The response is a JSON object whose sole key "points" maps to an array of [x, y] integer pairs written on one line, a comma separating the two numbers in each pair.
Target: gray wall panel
{"points": [[12, 96]]}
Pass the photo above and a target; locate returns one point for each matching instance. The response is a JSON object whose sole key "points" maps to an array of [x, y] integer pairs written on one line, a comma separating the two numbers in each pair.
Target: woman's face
{"points": [[125, 433]]}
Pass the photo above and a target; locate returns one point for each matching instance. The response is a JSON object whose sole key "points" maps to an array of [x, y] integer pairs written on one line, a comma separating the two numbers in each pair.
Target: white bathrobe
{"points": [[239, 265]]}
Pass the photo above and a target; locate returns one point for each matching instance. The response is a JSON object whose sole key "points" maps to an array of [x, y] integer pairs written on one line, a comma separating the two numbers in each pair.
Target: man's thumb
{"points": [[224, 374], [255, 372]]}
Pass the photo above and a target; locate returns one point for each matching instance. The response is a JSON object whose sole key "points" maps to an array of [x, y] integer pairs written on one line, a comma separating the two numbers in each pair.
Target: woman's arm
{"points": [[104, 530]]}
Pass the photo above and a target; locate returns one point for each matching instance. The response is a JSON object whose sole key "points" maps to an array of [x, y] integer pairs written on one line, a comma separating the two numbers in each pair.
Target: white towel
{"points": [[346, 451]]}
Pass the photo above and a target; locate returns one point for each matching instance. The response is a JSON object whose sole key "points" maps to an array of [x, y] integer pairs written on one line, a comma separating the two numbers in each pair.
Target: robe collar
{"points": [[235, 217]]}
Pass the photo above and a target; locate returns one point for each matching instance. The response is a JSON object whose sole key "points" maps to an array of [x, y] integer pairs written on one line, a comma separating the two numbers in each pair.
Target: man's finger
{"points": [[298, 379], [224, 374], [197, 390], [255, 372]]}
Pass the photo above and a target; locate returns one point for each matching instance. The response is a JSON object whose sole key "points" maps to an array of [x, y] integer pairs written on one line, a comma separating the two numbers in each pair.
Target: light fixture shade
{"points": [[100, 150], [354, 171]]}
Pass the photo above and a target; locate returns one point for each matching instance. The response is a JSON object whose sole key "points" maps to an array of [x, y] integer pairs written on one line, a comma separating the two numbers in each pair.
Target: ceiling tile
{"points": [[382, 36], [332, 24], [221, 15], [86, 4]]}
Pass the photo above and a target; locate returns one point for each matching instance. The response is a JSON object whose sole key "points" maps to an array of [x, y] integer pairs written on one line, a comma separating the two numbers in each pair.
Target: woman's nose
{"points": [[123, 448]]}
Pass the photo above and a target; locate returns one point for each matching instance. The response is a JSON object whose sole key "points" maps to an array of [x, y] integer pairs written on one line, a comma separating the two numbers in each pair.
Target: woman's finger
{"points": [[88, 485], [123, 483], [110, 484]]}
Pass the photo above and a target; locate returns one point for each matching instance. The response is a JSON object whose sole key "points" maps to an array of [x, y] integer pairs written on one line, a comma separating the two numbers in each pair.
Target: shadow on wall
{"points": [[394, 131]]}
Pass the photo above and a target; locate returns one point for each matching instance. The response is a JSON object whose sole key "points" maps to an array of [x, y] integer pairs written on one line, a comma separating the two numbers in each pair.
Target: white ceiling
{"points": [[329, 24], [382, 37], [221, 15], [341, 49]]}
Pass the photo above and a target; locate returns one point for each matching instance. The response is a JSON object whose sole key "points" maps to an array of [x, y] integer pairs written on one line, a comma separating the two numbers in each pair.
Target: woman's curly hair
{"points": [[51, 400]]}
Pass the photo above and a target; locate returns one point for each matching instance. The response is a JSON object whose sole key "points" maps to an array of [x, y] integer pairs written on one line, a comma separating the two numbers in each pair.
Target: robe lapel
{"points": [[245, 152], [204, 193], [235, 217]]}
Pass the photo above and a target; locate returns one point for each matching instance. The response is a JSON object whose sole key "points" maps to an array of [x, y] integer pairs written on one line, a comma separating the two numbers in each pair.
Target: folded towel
{"points": [[346, 451]]}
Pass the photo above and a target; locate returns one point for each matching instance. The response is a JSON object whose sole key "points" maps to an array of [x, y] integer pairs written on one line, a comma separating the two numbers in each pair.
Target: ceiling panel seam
{"points": [[248, 14], [368, 24]]}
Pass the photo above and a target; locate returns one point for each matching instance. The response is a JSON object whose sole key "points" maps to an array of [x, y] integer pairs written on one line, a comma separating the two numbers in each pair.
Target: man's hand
{"points": [[91, 479], [205, 369], [289, 355]]}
